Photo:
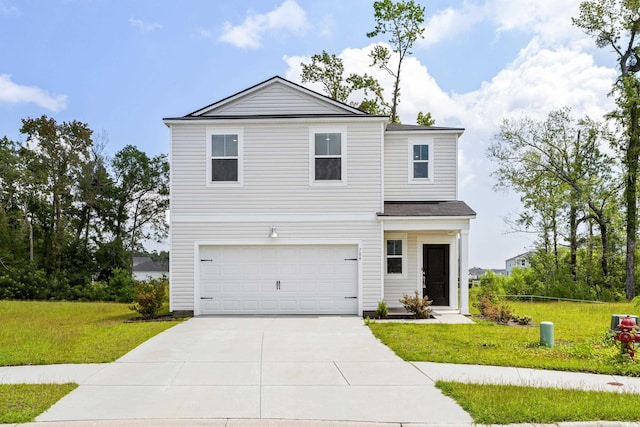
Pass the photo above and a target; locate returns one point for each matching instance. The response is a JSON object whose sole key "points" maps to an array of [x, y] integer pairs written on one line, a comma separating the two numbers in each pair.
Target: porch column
{"points": [[464, 271]]}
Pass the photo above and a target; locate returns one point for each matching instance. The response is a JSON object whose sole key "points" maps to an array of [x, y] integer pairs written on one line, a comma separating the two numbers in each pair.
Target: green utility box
{"points": [[546, 334]]}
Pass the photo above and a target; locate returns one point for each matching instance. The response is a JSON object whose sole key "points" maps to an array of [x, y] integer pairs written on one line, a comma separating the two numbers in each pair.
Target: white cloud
{"points": [[289, 16], [538, 81], [549, 20], [14, 93], [145, 27], [450, 23]]}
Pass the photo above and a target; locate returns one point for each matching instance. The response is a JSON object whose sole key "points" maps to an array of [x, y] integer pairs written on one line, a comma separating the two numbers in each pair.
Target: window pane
{"points": [[224, 170], [321, 145], [394, 265], [217, 145], [420, 152], [328, 144], [231, 145], [421, 170], [394, 247], [334, 140], [224, 145], [424, 152], [328, 169]]}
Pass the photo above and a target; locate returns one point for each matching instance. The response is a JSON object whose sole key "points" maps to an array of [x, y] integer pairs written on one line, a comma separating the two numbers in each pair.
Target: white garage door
{"points": [[320, 279]]}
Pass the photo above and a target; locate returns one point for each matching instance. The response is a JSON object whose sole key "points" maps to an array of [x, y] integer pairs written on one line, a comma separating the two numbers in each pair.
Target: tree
{"points": [[328, 70], [425, 119], [59, 152], [141, 197], [12, 217], [616, 24], [565, 155], [403, 22]]}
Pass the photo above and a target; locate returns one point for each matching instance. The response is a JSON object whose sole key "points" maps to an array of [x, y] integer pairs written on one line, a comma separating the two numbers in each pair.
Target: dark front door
{"points": [[435, 270]]}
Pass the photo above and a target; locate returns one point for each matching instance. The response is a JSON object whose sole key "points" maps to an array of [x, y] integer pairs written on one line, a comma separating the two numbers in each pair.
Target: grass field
{"points": [[493, 404], [580, 344], [21, 403], [37, 333]]}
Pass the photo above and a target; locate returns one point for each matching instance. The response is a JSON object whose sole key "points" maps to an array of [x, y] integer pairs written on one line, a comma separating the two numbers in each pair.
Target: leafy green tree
{"points": [[59, 152], [565, 154], [425, 119], [12, 218], [615, 24], [141, 197], [402, 21], [328, 70]]}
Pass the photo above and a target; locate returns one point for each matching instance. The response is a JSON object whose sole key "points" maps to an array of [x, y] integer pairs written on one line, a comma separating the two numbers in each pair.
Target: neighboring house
{"points": [[476, 272], [145, 268], [284, 201], [520, 261]]}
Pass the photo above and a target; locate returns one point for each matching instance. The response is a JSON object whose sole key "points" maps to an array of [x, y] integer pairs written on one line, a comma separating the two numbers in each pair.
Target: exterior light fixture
{"points": [[274, 233]]}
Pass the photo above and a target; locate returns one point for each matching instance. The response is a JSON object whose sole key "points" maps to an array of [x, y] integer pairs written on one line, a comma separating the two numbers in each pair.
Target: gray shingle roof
{"points": [[445, 208], [160, 266]]}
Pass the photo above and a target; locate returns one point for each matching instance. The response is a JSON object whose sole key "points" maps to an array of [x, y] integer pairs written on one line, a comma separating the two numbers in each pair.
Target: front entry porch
{"points": [[426, 247]]}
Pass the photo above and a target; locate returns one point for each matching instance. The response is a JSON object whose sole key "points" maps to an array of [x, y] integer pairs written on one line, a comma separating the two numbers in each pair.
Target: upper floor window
{"points": [[224, 151], [421, 161], [328, 162]]}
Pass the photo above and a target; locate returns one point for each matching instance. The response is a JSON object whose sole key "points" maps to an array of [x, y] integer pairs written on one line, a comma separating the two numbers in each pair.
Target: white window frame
{"points": [[312, 156], [405, 255], [423, 141], [225, 131]]}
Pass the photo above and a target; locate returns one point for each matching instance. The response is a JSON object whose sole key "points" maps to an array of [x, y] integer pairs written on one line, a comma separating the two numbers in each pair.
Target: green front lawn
{"points": [[38, 333], [580, 345], [499, 404], [21, 403]]}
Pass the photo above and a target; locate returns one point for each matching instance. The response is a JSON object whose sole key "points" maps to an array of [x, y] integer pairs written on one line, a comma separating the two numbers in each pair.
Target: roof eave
{"points": [[271, 119], [383, 217]]}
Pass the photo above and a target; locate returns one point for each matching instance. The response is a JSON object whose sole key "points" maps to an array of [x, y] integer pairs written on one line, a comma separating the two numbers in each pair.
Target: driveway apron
{"points": [[314, 368]]}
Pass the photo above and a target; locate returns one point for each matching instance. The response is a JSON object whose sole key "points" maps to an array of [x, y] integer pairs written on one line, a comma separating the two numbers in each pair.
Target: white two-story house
{"points": [[284, 201]]}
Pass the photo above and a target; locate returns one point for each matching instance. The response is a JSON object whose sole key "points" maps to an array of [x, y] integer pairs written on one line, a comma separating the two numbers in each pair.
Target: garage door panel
{"points": [[312, 279]]}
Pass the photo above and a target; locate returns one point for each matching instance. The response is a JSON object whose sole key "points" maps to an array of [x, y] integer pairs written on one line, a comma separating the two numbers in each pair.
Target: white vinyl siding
{"points": [[276, 173], [275, 191], [276, 99], [398, 164]]}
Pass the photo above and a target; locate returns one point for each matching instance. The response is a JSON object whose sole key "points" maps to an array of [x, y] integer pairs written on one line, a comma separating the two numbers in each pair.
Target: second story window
{"points": [[225, 156], [327, 157], [420, 162]]}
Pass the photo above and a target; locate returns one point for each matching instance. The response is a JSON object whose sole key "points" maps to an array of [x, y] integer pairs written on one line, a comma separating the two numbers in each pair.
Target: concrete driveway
{"points": [[305, 368]]}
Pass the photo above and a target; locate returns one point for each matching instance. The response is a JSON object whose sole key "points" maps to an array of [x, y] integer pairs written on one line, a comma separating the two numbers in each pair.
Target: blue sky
{"points": [[121, 66]]}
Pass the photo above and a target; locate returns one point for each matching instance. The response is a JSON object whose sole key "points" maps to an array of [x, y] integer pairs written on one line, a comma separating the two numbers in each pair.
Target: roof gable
{"points": [[275, 97]]}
